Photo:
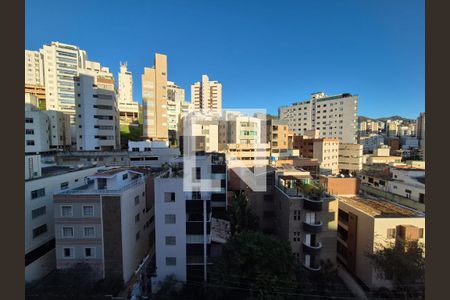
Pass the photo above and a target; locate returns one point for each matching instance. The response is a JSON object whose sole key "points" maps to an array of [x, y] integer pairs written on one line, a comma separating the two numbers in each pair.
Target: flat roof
{"points": [[378, 208], [59, 170]]}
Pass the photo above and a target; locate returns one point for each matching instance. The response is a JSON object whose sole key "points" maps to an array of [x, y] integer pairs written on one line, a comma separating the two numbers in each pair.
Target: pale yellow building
{"points": [[247, 155], [206, 96], [154, 98], [365, 225], [350, 157]]}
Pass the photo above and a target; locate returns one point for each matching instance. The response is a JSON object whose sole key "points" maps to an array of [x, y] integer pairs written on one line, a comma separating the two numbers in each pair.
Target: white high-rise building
{"points": [[34, 68], [129, 110], [175, 100], [335, 116], [97, 120], [61, 65], [206, 96]]}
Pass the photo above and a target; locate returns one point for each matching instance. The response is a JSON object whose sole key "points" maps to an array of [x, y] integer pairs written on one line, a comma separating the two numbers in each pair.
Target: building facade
{"points": [[335, 116], [206, 95], [350, 157], [34, 68], [128, 109]]}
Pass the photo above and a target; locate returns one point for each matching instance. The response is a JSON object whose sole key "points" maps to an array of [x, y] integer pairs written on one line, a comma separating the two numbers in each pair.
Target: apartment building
{"points": [[97, 119], [346, 186], [154, 98], [371, 143], [175, 101], [279, 136], [128, 109], [34, 68], [206, 95], [197, 124], [107, 223], [364, 225], [402, 184], [151, 154], [37, 131], [420, 132], [188, 217], [350, 158], [247, 155], [39, 92], [60, 132], [306, 216], [61, 65], [325, 150], [311, 165], [381, 155], [335, 116], [39, 219], [113, 158]]}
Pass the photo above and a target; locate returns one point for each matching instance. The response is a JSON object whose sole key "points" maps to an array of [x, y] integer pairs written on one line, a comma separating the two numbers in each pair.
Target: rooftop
{"points": [[59, 170], [380, 208]]}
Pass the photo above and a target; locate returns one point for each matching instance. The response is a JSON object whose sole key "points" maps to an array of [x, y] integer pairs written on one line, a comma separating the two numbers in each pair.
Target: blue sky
{"points": [[265, 53]]}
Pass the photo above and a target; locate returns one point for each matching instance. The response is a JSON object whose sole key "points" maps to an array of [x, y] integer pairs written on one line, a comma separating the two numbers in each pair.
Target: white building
{"points": [[185, 233], [37, 131], [206, 96], [97, 120], [34, 68], [61, 63], [39, 219], [60, 134], [371, 143], [350, 157], [151, 153], [106, 223], [335, 116], [33, 167], [129, 110], [196, 124]]}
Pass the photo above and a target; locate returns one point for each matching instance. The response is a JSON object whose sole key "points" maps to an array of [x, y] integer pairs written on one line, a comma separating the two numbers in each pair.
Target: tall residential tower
{"points": [[206, 95]]}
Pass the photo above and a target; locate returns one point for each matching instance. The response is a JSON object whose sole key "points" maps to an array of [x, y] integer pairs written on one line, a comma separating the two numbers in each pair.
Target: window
{"points": [[64, 185], [28, 120], [66, 211], [88, 210], [38, 193], [197, 173], [171, 240], [30, 143], [38, 212], [39, 230], [89, 231], [29, 131], [138, 235], [296, 215], [124, 176], [137, 218], [296, 236], [420, 233], [169, 197], [136, 200], [68, 252], [391, 233], [89, 252], [170, 219], [67, 231], [171, 261], [421, 198]]}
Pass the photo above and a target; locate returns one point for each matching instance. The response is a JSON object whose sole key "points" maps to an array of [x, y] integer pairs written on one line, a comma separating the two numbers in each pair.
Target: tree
{"points": [[254, 264], [404, 262], [241, 216]]}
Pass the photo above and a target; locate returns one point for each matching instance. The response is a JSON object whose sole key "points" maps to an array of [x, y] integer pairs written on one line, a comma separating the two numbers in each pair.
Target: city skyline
{"points": [[385, 68]]}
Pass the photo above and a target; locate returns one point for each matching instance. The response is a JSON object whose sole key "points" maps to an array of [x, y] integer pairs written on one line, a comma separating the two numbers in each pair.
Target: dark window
{"points": [[30, 143], [28, 120], [38, 193], [421, 198], [38, 212], [39, 230], [29, 131], [124, 176], [64, 185]]}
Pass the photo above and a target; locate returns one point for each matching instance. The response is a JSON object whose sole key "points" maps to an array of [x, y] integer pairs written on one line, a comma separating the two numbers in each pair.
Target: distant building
{"points": [[175, 102], [366, 224], [248, 155], [128, 109], [340, 185], [34, 68], [279, 136], [350, 158], [151, 154], [335, 116], [154, 98], [206, 95], [107, 223], [371, 142], [420, 132]]}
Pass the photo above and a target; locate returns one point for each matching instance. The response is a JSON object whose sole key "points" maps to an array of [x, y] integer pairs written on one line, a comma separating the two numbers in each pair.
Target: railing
{"points": [[85, 189], [312, 227], [312, 205]]}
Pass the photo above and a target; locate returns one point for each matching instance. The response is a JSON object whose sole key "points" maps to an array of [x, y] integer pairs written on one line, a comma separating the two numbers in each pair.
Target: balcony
{"points": [[312, 249], [312, 227], [312, 204], [197, 227]]}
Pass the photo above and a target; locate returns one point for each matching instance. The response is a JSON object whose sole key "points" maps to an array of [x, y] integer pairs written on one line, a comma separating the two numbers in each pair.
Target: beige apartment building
{"points": [[175, 104], [325, 150], [366, 224], [279, 136], [350, 157], [196, 124], [128, 109], [154, 98], [381, 155], [34, 68], [206, 96], [247, 155]]}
